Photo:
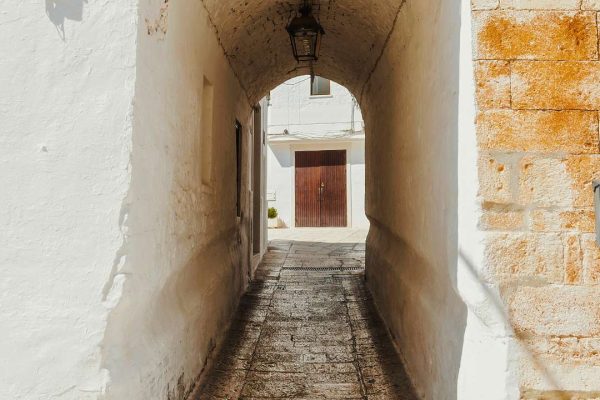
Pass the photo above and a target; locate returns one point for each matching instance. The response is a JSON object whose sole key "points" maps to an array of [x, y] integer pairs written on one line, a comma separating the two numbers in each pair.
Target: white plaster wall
{"points": [[356, 158], [295, 110], [186, 260], [67, 74], [281, 174], [411, 105]]}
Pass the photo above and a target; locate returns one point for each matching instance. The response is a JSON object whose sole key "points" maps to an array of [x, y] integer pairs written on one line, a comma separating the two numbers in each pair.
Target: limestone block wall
{"points": [[537, 75]]}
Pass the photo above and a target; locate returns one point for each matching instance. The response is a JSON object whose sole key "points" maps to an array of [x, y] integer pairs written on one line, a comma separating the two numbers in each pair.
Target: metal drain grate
{"points": [[325, 269]]}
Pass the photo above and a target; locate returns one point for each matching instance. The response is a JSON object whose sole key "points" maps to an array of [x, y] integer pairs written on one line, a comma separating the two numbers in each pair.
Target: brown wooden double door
{"points": [[321, 188]]}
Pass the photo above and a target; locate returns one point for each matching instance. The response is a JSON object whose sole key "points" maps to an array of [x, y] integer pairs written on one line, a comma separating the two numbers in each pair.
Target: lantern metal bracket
{"points": [[305, 33]]}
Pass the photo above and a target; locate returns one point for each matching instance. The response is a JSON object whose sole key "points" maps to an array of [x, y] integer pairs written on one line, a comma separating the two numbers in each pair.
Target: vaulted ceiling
{"points": [[253, 36]]}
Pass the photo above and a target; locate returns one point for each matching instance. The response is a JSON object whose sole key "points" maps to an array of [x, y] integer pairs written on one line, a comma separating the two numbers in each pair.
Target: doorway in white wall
{"points": [[320, 188], [316, 162]]}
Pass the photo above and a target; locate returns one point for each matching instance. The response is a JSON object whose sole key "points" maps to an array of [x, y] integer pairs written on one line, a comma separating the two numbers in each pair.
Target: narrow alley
{"points": [[307, 328]]}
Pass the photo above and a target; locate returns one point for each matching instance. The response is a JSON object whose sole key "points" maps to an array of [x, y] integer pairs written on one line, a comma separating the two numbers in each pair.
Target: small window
{"points": [[320, 87], [238, 168], [207, 131]]}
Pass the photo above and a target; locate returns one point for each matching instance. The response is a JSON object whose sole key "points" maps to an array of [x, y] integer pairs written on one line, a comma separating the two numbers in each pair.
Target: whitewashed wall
{"points": [[294, 109], [311, 123], [186, 261], [281, 177], [411, 108], [67, 76], [120, 270]]}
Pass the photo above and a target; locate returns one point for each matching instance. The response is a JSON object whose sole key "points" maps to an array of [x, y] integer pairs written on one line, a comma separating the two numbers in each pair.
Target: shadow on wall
{"points": [[425, 316], [284, 157], [501, 309], [60, 10], [282, 154]]}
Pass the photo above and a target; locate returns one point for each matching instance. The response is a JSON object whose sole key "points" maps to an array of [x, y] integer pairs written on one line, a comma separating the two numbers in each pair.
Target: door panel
{"points": [[333, 179], [321, 188], [308, 179]]}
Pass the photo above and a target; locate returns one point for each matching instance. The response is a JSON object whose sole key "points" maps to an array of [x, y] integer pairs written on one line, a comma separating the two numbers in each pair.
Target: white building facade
{"points": [[311, 128]]}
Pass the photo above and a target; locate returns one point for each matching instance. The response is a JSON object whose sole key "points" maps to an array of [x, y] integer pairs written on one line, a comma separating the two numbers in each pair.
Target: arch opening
{"points": [[403, 73], [315, 123]]}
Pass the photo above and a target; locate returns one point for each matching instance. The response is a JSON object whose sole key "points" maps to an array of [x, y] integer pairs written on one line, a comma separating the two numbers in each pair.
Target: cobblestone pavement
{"points": [[307, 329]]}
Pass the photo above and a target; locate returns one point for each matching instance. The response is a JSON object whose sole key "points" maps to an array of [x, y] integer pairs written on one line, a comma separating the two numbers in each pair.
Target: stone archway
{"points": [[483, 144], [405, 76]]}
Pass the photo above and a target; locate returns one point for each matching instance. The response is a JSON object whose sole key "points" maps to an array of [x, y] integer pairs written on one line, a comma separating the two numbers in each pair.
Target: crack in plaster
{"points": [[233, 70], [383, 49]]}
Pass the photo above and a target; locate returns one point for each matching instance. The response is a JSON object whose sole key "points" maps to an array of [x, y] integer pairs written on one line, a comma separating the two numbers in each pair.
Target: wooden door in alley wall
{"points": [[333, 188], [321, 188]]}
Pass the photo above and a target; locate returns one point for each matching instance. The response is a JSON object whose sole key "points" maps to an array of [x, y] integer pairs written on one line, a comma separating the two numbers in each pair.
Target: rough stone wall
{"points": [[185, 262], [537, 72]]}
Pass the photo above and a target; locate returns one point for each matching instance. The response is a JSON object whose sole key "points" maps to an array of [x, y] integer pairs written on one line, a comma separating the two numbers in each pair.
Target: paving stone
{"points": [[308, 329]]}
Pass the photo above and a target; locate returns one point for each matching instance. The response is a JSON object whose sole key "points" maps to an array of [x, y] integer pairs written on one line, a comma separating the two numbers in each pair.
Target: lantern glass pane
{"points": [[305, 34], [305, 45]]}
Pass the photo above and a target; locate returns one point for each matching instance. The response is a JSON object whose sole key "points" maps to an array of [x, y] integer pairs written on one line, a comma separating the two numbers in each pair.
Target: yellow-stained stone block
{"points": [[555, 310], [545, 182], [545, 221], [581, 349], [548, 103], [484, 4], [591, 259], [535, 35], [559, 182], [582, 171], [556, 85], [494, 220], [540, 4], [575, 374], [566, 362], [590, 5], [494, 180], [492, 80], [581, 220], [525, 256], [573, 260], [578, 220], [528, 130]]}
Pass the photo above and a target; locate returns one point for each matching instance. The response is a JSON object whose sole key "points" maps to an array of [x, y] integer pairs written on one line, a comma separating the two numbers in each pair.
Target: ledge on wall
{"points": [[279, 138]]}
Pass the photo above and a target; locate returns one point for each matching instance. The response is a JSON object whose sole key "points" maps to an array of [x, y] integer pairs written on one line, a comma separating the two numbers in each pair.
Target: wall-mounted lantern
{"points": [[596, 186], [305, 34]]}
